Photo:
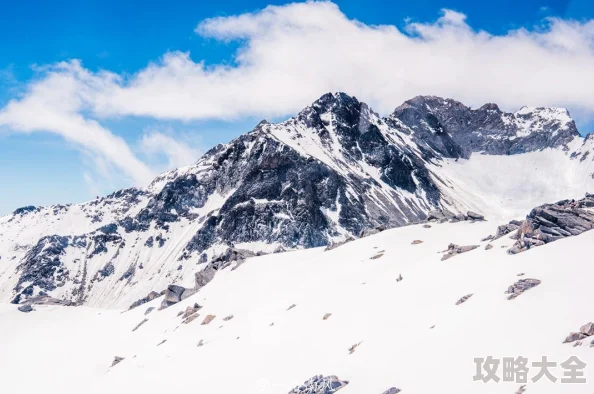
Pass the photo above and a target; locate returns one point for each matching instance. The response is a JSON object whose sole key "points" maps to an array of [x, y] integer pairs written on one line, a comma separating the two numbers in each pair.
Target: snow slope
{"points": [[411, 333]]}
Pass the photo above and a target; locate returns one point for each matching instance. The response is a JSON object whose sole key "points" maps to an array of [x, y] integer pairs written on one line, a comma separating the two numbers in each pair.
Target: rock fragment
{"points": [[454, 250]]}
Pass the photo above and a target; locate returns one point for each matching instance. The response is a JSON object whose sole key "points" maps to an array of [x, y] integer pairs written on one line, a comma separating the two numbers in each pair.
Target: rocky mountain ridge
{"points": [[334, 170]]}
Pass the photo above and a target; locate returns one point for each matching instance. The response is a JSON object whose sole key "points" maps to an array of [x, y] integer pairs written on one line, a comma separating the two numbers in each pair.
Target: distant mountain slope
{"points": [[334, 170]]}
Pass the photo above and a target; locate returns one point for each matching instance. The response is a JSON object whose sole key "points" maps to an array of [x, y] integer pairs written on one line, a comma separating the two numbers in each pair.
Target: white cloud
{"points": [[56, 104], [290, 55], [177, 153]]}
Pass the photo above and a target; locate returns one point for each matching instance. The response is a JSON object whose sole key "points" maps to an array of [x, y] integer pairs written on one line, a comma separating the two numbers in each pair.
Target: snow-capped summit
{"points": [[333, 171], [455, 130]]}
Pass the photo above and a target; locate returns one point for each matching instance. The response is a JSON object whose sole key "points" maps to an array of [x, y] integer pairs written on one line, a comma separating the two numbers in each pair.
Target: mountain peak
{"points": [[329, 101]]}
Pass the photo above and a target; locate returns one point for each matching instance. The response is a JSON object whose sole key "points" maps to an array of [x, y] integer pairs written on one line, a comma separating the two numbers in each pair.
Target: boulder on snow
{"points": [[488, 247], [25, 308], [587, 329], [191, 318], [117, 360], [392, 390], [454, 250], [416, 242], [227, 318], [474, 216], [190, 310], [175, 294], [353, 348], [521, 286], [149, 297], [208, 319], [575, 336], [463, 299], [320, 385], [326, 316], [439, 215]]}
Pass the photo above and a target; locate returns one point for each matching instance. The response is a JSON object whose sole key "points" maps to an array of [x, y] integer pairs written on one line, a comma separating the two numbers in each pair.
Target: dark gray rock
{"points": [[25, 308], [117, 360], [454, 130], [392, 390], [463, 299], [150, 296], [474, 216], [521, 286], [175, 294]]}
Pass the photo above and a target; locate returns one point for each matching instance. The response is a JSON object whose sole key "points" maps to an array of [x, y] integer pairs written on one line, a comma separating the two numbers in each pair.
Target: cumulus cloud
{"points": [[290, 55]]}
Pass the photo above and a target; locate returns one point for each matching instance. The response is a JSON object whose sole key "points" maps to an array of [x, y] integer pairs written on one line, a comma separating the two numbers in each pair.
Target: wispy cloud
{"points": [[289, 55]]}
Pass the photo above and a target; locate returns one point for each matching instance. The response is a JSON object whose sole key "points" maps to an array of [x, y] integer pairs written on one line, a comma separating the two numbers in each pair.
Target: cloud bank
{"points": [[290, 55]]}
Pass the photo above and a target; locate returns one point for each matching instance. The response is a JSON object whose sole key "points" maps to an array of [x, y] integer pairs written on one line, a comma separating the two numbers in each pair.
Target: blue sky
{"points": [[59, 112]]}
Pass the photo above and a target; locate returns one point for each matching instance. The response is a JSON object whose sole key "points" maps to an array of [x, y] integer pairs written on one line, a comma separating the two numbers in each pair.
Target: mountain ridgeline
{"points": [[335, 170]]}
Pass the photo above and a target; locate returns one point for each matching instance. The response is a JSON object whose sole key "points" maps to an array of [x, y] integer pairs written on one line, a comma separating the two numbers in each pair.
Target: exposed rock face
{"points": [[521, 286], [455, 130], [551, 222], [320, 385], [208, 319], [454, 250]]}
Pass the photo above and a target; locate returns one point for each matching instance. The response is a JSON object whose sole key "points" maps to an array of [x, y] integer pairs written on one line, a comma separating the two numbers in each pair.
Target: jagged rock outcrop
{"points": [[551, 222], [454, 130], [521, 286], [320, 384], [587, 330]]}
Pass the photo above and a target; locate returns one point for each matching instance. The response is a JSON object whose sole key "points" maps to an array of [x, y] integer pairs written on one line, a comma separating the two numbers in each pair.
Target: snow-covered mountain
{"points": [[334, 171]]}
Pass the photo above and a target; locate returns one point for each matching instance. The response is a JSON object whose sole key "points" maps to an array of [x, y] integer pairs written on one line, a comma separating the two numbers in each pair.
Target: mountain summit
{"points": [[334, 171]]}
